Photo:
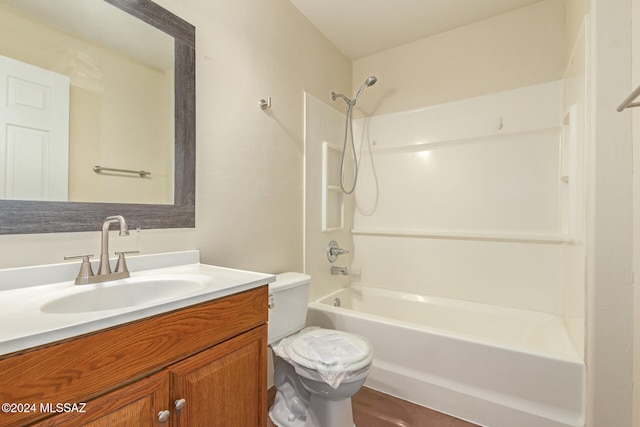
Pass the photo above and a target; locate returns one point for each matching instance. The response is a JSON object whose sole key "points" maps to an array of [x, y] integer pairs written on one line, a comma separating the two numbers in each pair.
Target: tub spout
{"points": [[344, 271]]}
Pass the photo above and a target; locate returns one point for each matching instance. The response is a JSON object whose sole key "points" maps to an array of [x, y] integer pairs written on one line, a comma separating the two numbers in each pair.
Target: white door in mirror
{"points": [[34, 132]]}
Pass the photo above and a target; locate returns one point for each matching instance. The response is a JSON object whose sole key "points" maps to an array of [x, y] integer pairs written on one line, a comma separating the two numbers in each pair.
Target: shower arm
{"points": [[339, 95]]}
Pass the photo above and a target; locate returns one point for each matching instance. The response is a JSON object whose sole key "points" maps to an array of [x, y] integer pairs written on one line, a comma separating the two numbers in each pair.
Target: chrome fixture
{"points": [[265, 103], [104, 274], [85, 275], [334, 250], [121, 264], [337, 302], [348, 130], [100, 169], [341, 271], [104, 267], [351, 102]]}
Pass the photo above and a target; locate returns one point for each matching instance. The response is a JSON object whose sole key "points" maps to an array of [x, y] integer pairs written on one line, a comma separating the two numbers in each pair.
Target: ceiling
{"points": [[361, 28]]}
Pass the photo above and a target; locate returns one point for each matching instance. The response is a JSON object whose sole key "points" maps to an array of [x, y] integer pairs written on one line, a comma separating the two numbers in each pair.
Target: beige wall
{"points": [[249, 161], [574, 13], [636, 213], [512, 50]]}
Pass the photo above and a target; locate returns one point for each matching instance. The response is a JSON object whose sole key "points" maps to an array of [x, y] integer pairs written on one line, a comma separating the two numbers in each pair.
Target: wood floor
{"points": [[374, 409]]}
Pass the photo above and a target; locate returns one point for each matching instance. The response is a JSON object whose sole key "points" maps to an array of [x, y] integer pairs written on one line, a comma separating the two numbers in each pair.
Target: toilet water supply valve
{"points": [[334, 250]]}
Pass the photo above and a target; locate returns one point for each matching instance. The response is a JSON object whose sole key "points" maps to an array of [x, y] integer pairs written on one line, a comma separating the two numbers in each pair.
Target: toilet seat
{"points": [[337, 356], [328, 347]]}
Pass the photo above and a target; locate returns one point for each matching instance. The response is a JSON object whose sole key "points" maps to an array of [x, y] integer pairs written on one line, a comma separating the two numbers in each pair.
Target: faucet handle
{"points": [[334, 250], [85, 268], [121, 265]]}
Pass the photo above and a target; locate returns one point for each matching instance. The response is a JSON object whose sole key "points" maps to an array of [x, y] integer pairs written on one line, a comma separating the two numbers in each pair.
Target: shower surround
{"points": [[468, 200], [478, 201]]}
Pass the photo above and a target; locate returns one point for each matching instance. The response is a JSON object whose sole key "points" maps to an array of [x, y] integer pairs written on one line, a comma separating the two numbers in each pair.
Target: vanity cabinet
{"points": [[220, 386], [136, 404], [208, 359]]}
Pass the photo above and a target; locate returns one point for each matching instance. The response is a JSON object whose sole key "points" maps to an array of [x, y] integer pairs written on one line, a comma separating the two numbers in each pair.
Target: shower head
{"points": [[351, 102], [369, 82]]}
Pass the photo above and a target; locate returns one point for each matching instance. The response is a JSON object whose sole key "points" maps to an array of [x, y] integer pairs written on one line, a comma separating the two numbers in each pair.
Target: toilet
{"points": [[316, 370]]}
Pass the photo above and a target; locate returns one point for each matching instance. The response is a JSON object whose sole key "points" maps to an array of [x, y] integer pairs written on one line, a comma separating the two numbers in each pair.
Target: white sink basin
{"points": [[139, 291], [41, 305]]}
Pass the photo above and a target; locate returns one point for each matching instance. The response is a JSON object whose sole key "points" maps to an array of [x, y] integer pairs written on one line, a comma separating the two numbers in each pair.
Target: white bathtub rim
{"points": [[571, 357], [561, 356], [440, 300]]}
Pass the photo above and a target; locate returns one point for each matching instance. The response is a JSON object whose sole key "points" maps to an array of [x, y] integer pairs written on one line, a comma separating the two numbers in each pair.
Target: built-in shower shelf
{"points": [[332, 197], [463, 235]]}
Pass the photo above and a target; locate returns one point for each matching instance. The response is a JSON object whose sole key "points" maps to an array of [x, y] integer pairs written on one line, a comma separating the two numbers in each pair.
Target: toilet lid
{"points": [[338, 350]]}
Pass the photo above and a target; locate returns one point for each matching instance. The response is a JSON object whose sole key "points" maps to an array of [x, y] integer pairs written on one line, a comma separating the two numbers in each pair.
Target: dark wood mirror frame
{"points": [[26, 217]]}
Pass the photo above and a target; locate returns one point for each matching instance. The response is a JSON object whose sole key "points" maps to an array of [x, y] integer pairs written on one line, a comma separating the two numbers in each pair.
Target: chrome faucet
{"points": [[104, 274], [334, 251], [344, 271], [104, 267]]}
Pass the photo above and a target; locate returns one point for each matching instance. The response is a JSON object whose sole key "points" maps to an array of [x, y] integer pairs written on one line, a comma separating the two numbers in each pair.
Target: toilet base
{"points": [[322, 413], [297, 406], [330, 413]]}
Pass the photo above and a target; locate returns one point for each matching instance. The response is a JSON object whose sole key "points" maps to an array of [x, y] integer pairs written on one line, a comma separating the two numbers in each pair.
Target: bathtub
{"points": [[493, 366]]}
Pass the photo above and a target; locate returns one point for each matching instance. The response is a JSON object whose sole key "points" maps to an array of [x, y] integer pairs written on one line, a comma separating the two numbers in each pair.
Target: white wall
{"points": [[610, 220], [466, 203], [575, 120], [323, 124]]}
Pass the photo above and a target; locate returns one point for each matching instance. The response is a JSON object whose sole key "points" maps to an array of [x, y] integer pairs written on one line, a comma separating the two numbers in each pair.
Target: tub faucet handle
{"points": [[334, 250]]}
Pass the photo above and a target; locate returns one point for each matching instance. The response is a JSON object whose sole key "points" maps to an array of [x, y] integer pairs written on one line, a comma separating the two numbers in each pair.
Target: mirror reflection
{"points": [[77, 91]]}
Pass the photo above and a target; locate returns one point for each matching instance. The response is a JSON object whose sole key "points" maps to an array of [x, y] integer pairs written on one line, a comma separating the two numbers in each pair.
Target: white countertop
{"points": [[25, 325]]}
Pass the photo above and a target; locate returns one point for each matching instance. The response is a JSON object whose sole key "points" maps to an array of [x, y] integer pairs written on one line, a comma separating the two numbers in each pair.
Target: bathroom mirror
{"points": [[178, 210]]}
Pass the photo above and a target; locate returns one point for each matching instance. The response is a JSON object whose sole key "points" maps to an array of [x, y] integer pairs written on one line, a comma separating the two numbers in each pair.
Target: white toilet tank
{"points": [[288, 300]]}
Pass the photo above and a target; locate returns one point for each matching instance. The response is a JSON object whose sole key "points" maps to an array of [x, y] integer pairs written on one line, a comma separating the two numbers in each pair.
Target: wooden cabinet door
{"points": [[134, 405], [225, 385]]}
